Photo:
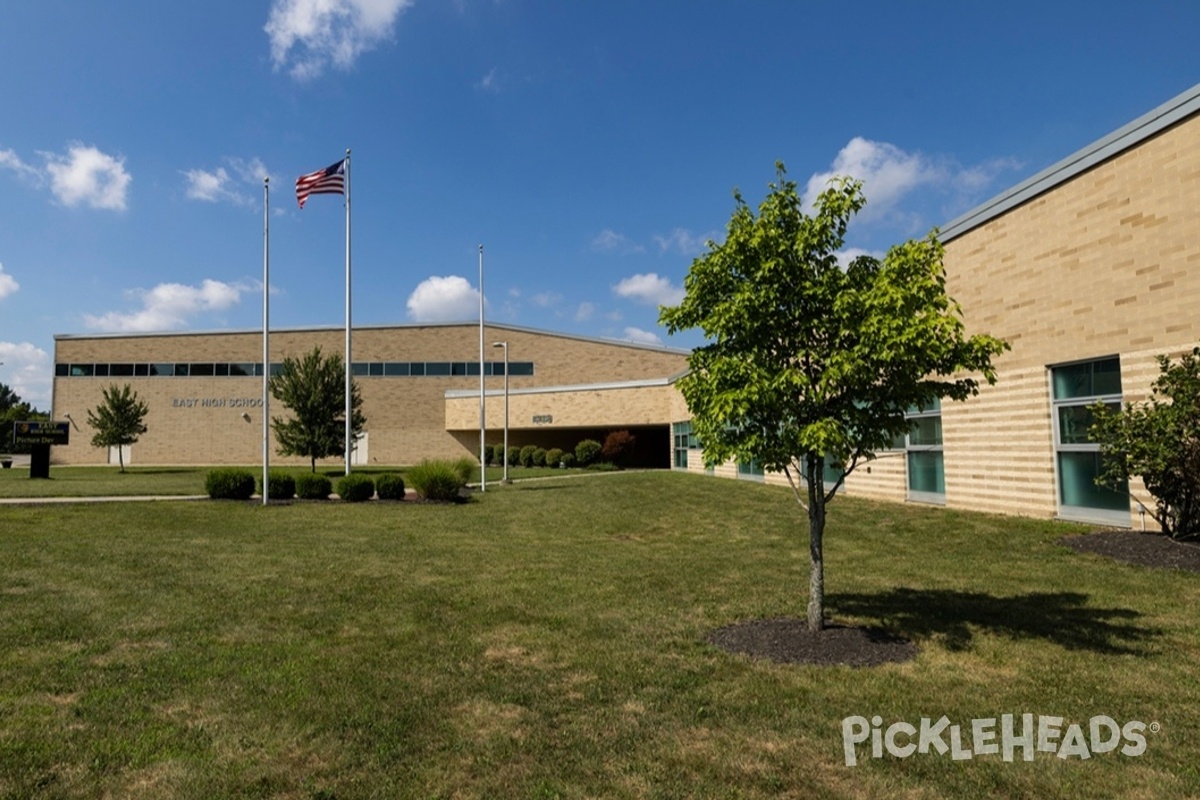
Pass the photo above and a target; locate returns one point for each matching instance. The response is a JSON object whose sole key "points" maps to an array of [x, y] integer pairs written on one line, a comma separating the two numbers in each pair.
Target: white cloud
{"points": [[609, 241], [28, 372], [890, 174], [308, 36], [171, 305], [444, 299], [489, 82], [844, 257], [546, 299], [585, 312], [11, 161], [685, 242], [641, 337], [8, 284], [219, 185], [86, 175], [650, 289]]}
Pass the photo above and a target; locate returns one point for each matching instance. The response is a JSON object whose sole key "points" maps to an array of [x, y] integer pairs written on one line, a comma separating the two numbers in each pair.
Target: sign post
{"points": [[40, 435]]}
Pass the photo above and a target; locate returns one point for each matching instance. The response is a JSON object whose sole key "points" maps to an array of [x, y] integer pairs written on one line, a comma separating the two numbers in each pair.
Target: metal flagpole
{"points": [[266, 421], [349, 419], [482, 402]]}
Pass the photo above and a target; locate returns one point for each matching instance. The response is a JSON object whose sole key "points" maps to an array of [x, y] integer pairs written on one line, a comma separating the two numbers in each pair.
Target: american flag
{"points": [[331, 180]]}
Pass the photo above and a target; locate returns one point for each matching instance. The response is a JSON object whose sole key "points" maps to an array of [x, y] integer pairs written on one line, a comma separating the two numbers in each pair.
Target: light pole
{"points": [[505, 460]]}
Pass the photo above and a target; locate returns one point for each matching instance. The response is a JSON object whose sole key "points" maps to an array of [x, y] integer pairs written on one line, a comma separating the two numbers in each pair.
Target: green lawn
{"points": [[547, 640], [160, 481]]}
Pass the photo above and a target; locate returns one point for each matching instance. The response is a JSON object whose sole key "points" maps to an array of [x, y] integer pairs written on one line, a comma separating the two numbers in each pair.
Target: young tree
{"points": [[1160, 441], [313, 388], [118, 420], [807, 359]]}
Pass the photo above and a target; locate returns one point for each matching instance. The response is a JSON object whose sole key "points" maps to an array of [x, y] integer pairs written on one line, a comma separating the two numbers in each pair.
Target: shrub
{"points": [[310, 486], [618, 445], [603, 466], [282, 486], [553, 456], [539, 457], [356, 488], [436, 480], [526, 456], [514, 456], [229, 483], [587, 451], [567, 460], [489, 454], [390, 486], [467, 468]]}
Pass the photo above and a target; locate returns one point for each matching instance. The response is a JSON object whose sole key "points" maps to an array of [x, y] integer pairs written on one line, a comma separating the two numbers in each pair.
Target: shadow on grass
{"points": [[1063, 618]]}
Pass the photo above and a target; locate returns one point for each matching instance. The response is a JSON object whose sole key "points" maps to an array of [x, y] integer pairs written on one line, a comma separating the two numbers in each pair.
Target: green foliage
{"points": [[282, 485], [618, 446], [587, 451], [118, 420], [806, 358], [1158, 441], [567, 460], [603, 466], [553, 457], [311, 486], [526, 455], [467, 468], [514, 456], [13, 409], [489, 454], [356, 488], [539, 457], [229, 483], [390, 486], [313, 388], [436, 480]]}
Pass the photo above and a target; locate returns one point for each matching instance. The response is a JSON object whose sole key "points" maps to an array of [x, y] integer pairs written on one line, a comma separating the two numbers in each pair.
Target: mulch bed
{"points": [[789, 641], [1145, 549]]}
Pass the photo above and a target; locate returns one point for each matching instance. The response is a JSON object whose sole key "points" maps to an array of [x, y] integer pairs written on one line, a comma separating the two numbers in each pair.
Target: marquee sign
{"points": [[39, 432]]}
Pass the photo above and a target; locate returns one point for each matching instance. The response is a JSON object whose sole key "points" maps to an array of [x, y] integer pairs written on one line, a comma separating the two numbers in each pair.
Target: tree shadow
{"points": [[953, 617]]}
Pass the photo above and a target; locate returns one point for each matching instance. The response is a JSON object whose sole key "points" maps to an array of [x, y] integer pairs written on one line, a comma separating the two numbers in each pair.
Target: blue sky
{"points": [[591, 146]]}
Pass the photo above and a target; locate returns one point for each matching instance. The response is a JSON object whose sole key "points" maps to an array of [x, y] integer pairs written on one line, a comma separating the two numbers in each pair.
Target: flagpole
{"points": [[482, 402], [349, 420], [266, 398]]}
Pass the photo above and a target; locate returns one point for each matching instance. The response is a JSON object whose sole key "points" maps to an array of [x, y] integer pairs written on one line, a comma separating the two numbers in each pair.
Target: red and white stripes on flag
{"points": [[331, 180]]}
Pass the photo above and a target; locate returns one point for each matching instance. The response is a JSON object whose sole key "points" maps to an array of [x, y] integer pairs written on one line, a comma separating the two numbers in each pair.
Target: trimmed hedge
{"points": [[567, 460], [514, 455], [467, 468], [390, 486], [310, 486], [587, 451], [539, 457], [436, 480], [356, 488], [526, 455], [283, 486], [553, 457], [229, 483]]}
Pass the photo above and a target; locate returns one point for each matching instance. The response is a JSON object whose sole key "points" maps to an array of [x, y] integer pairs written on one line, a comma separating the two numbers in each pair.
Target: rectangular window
{"points": [[120, 370], [682, 434], [926, 465], [242, 370], [202, 370], [438, 368], [100, 370], [162, 370], [394, 369], [417, 368], [62, 370], [181, 369], [141, 370], [222, 370], [359, 368], [520, 368], [1077, 461], [81, 370], [750, 470], [459, 368]]}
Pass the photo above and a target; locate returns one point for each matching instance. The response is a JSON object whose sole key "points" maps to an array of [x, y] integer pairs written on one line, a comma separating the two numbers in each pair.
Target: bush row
{"points": [[587, 453], [432, 480]]}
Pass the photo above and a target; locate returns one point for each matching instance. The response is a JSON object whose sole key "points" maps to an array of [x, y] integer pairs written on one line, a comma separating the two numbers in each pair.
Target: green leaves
{"points": [[313, 388], [118, 419]]}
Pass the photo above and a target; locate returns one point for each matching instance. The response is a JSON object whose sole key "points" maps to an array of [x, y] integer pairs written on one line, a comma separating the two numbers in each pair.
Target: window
{"points": [[81, 370], [202, 369], [749, 470], [120, 370], [684, 440], [926, 466], [1077, 460], [395, 369]]}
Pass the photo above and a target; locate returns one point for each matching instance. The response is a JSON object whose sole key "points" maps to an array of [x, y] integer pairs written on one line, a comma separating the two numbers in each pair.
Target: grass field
{"points": [[164, 481], [548, 640]]}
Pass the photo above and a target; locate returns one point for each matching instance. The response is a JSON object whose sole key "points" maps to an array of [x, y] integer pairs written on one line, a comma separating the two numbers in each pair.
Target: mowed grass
{"points": [[548, 640], [106, 481]]}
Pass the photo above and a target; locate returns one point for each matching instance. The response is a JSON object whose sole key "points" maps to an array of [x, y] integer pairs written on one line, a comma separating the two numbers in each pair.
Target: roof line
{"points": [[641, 383], [403, 325], [1127, 136]]}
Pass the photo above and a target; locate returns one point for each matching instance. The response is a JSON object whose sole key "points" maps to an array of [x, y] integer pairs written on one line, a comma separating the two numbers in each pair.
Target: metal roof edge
{"points": [[643, 383], [1127, 136]]}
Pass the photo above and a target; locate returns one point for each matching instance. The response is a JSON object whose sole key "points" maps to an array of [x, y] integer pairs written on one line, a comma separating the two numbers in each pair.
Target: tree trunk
{"points": [[121, 457], [816, 531]]}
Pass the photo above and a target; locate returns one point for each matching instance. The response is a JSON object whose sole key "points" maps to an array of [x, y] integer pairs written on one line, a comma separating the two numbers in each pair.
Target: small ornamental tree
{"points": [[118, 420], [806, 358], [313, 388], [1158, 441]]}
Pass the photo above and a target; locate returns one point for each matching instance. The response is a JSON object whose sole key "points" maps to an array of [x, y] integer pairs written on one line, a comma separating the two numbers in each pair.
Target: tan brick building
{"points": [[204, 391], [1088, 269]]}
